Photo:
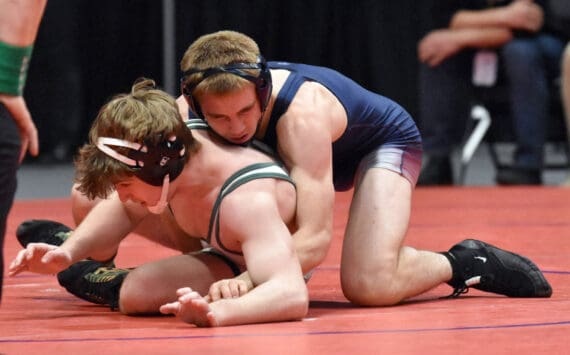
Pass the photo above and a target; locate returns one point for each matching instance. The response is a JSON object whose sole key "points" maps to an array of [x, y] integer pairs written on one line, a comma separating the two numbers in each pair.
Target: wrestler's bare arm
{"points": [[280, 292], [97, 237]]}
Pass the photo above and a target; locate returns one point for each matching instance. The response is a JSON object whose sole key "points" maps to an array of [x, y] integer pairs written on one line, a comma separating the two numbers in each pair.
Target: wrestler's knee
{"points": [[137, 296], [374, 287]]}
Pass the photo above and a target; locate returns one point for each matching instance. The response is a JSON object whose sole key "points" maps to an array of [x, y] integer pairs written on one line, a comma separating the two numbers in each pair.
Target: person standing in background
{"points": [[562, 9], [528, 50], [19, 23]]}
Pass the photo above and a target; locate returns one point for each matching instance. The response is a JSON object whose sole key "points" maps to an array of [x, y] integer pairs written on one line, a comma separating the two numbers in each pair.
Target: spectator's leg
{"points": [[444, 95], [565, 85], [565, 92], [528, 66]]}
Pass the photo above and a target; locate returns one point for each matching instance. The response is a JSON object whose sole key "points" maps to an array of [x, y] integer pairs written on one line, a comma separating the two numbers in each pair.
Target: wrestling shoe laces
{"points": [[42, 231], [488, 268], [93, 281]]}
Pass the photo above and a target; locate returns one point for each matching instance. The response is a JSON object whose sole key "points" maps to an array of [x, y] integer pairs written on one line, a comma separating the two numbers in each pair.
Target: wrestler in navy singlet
{"points": [[379, 132], [374, 121]]}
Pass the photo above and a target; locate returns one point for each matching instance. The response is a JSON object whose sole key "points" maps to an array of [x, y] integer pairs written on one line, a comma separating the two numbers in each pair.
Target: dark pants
{"points": [[528, 66], [9, 154]]}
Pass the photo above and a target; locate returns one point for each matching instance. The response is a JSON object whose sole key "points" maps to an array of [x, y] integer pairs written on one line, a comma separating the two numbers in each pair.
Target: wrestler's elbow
{"points": [[298, 299], [313, 252]]}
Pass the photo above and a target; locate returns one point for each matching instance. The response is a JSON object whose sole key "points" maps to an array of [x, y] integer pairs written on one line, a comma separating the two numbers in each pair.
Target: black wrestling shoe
{"points": [[94, 282], [42, 231], [487, 268]]}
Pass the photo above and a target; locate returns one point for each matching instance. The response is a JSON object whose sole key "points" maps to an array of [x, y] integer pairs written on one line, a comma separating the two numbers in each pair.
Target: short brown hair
{"points": [[216, 50], [143, 116]]}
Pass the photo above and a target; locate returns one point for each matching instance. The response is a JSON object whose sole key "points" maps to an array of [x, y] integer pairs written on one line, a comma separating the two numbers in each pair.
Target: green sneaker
{"points": [[93, 281], [42, 231]]}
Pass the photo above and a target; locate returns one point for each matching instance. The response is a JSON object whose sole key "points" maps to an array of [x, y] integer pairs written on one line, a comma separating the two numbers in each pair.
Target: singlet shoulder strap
{"points": [[242, 176], [284, 98]]}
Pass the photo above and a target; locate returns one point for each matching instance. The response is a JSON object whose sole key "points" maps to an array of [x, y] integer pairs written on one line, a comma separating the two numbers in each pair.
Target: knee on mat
{"points": [[134, 298], [370, 291]]}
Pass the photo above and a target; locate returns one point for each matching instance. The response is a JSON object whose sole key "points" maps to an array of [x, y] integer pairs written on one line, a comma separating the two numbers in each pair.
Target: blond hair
{"points": [[146, 116]]}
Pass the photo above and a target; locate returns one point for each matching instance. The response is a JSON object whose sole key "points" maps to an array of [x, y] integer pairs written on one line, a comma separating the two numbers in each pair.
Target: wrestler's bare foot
{"points": [[191, 308]]}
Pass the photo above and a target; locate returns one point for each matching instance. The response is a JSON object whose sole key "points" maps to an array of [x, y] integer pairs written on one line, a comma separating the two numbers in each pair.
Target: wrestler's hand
{"points": [[40, 258], [28, 132], [227, 288], [191, 308]]}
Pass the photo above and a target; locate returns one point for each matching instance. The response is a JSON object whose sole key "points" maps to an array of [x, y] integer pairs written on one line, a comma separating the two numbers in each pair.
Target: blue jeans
{"points": [[9, 154], [529, 65]]}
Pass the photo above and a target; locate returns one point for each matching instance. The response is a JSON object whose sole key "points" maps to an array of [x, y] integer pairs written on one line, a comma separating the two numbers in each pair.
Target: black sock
{"points": [[454, 266]]}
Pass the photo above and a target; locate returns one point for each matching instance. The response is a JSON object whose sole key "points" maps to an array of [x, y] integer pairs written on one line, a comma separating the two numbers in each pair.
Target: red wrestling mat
{"points": [[37, 316]]}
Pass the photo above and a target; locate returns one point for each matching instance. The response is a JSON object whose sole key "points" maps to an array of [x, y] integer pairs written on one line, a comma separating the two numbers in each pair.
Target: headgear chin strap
{"points": [[162, 203], [262, 82], [156, 165]]}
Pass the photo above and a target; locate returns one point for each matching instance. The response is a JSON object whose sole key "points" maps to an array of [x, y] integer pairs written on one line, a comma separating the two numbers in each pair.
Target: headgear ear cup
{"points": [[263, 83], [156, 165], [194, 107], [165, 158], [151, 163]]}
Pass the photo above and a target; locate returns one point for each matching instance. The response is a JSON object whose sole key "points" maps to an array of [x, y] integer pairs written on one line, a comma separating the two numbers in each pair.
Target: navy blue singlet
{"points": [[373, 120]]}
